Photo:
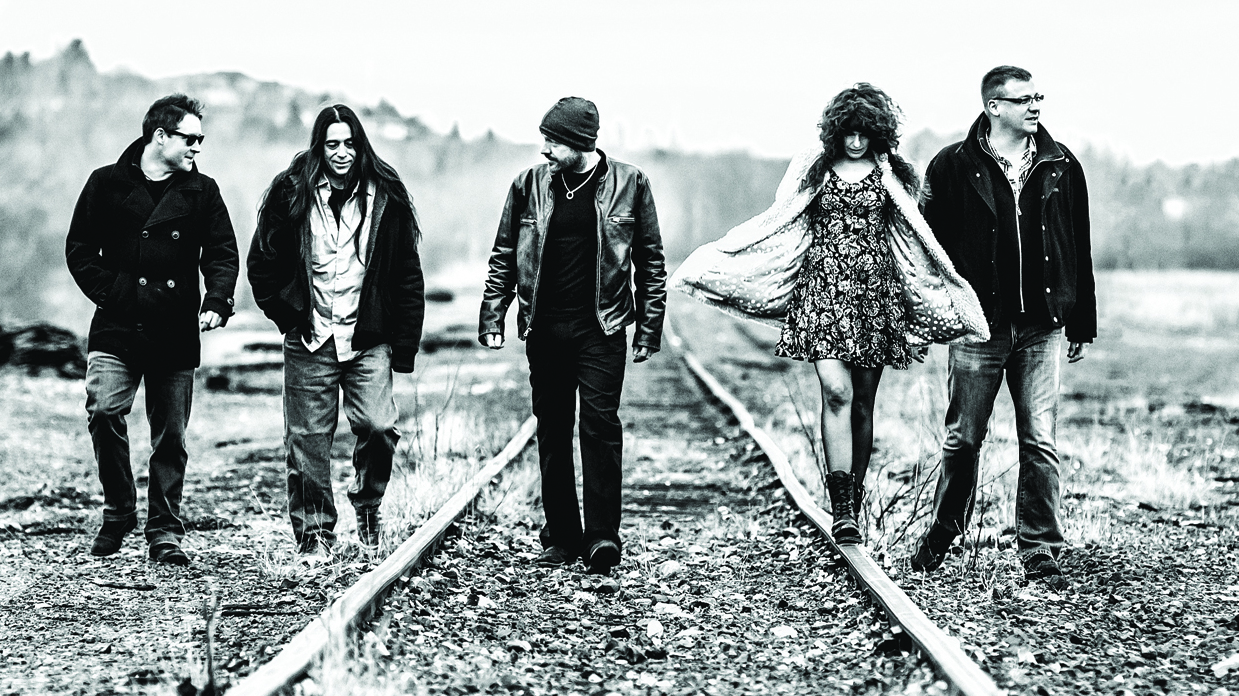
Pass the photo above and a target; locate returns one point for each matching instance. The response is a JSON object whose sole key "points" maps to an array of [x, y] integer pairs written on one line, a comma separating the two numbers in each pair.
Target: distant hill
{"points": [[61, 118]]}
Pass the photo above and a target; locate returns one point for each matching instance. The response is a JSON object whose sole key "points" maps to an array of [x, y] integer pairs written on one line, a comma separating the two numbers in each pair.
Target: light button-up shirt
{"points": [[337, 269]]}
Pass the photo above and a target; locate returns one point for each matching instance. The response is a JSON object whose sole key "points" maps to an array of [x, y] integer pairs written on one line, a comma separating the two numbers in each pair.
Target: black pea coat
{"points": [[139, 262]]}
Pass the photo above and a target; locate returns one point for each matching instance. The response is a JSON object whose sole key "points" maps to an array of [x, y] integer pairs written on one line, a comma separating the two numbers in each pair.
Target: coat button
{"points": [[171, 283], [978, 175], [141, 281], [1047, 258], [145, 234], [139, 327], [176, 235], [1047, 289], [1055, 319]]}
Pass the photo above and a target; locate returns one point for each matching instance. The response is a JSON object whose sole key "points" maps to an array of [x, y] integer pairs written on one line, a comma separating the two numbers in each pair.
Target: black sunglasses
{"points": [[191, 139]]}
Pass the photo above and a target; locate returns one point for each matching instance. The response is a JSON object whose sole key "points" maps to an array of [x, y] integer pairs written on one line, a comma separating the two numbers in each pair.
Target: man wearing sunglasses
{"points": [[1010, 206], [142, 231]]}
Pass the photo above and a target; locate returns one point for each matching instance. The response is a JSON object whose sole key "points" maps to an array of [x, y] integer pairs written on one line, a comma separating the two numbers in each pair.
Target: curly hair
{"points": [[865, 109]]}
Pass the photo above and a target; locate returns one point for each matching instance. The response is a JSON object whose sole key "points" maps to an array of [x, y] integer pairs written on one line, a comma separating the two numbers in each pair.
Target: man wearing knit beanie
{"points": [[578, 246]]}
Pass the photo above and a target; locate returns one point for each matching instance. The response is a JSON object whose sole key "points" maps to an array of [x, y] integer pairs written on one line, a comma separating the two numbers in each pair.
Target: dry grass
{"points": [[1122, 441]]}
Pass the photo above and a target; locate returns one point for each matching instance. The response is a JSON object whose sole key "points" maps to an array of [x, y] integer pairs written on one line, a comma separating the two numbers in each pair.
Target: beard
{"points": [[571, 163]]}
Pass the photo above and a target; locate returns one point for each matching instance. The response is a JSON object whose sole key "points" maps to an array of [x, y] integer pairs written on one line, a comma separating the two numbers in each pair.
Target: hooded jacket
{"points": [[631, 271], [968, 204], [138, 261]]}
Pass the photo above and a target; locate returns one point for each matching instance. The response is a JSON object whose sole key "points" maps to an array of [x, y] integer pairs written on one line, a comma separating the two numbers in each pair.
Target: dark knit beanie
{"points": [[573, 121]]}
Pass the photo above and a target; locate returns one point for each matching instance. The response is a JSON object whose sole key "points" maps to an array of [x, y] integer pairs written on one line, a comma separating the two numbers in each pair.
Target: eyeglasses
{"points": [[191, 139], [1022, 101]]}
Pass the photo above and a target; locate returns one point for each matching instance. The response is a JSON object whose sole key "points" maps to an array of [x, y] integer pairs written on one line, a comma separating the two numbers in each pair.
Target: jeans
{"points": [[566, 358], [312, 386], [111, 386], [1029, 357]]}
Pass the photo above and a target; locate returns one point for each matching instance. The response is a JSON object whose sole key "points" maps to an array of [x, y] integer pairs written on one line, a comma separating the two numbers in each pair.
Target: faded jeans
{"points": [[312, 386], [1029, 357], [111, 386]]}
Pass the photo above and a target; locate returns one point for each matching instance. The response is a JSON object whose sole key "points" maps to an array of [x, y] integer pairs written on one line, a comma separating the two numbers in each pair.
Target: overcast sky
{"points": [[1147, 80]]}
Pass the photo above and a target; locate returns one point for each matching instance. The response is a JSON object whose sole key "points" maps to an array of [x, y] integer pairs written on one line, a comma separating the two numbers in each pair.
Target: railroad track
{"points": [[657, 497]]}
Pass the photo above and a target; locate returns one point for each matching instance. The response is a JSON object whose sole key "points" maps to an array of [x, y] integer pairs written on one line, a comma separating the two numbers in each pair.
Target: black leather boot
{"points": [[844, 530], [111, 534]]}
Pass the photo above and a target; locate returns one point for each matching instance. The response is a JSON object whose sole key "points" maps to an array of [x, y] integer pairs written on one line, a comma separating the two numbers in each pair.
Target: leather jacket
{"points": [[631, 274], [963, 183]]}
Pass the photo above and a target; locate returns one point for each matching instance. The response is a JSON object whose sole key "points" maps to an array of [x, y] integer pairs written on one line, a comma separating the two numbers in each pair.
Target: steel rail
{"points": [[295, 659], [941, 649]]}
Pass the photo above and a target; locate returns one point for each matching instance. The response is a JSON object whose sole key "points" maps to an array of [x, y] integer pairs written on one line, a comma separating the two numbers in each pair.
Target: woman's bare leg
{"points": [[836, 382]]}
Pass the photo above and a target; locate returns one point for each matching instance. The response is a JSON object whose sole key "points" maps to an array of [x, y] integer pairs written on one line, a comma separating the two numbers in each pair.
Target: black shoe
{"points": [[369, 528], [169, 552], [111, 534], [931, 551], [858, 498], [844, 530], [313, 543], [1042, 566], [555, 556], [604, 555]]}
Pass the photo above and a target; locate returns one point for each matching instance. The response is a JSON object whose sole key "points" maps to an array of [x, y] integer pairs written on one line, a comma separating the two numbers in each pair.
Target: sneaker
{"points": [[604, 555], [554, 556], [111, 534], [168, 552], [931, 551], [369, 528], [1042, 566]]}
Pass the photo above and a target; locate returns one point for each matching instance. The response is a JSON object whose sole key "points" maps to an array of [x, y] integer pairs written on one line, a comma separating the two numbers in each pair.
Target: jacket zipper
{"points": [[1019, 237], [598, 261], [533, 299]]}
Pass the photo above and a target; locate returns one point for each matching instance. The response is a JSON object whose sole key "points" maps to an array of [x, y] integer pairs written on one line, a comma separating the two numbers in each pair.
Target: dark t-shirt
{"points": [[158, 188], [568, 287]]}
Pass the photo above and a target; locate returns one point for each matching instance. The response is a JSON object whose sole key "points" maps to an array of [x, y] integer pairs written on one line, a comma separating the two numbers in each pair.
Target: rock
{"points": [[607, 586], [521, 645], [784, 632], [654, 628], [667, 609], [619, 632], [1224, 666], [669, 568]]}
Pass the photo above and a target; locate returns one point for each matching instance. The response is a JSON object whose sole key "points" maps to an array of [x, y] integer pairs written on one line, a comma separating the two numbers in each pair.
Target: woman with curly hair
{"points": [[844, 264]]}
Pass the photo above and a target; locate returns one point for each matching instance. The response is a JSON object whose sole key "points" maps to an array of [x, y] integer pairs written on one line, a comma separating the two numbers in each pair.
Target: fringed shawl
{"points": [[751, 271]]}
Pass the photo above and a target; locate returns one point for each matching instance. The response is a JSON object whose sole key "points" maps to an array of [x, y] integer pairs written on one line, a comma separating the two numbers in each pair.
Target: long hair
{"points": [[309, 166], [868, 110]]}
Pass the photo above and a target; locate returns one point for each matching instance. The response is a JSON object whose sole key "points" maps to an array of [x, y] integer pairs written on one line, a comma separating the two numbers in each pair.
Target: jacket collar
{"points": [[1048, 149], [128, 170]]}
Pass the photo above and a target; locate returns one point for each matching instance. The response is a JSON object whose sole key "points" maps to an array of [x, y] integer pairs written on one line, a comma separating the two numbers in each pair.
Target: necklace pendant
{"points": [[570, 195]]}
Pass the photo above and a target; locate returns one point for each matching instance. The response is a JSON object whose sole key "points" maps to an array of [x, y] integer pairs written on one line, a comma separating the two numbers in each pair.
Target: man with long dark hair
{"points": [[334, 263], [1010, 206], [142, 231], [578, 235]]}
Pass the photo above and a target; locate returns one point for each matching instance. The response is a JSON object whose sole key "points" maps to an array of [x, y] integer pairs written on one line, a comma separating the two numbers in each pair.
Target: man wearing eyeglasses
{"points": [[1010, 206], [142, 231]]}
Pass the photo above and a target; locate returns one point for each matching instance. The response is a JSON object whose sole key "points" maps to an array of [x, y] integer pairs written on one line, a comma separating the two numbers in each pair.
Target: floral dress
{"points": [[848, 301]]}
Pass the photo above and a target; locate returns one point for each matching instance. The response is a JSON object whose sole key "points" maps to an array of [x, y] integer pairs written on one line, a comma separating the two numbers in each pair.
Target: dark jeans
{"points": [[1029, 357], [111, 386], [312, 386], [567, 358]]}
